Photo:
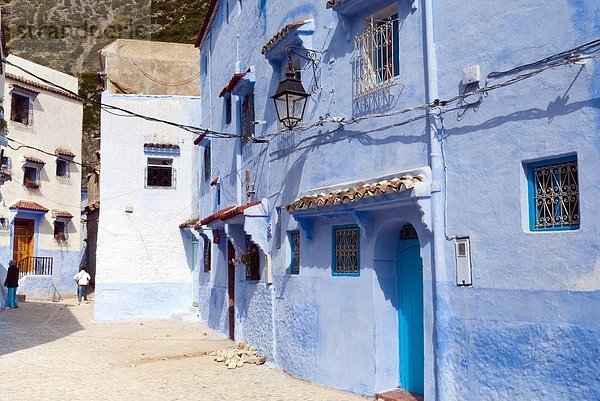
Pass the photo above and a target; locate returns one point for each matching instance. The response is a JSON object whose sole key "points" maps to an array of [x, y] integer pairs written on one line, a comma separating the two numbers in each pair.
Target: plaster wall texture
{"points": [[129, 63], [323, 324], [311, 340], [56, 123], [494, 346], [141, 267]]}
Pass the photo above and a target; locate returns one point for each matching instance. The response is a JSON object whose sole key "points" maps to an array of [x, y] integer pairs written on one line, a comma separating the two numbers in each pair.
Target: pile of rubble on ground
{"points": [[239, 356]]}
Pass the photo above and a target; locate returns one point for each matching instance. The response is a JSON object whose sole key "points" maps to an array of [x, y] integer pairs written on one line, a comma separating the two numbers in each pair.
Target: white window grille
{"points": [[376, 55]]}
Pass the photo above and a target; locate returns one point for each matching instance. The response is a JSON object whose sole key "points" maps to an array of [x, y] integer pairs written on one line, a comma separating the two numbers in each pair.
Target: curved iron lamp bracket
{"points": [[314, 59]]}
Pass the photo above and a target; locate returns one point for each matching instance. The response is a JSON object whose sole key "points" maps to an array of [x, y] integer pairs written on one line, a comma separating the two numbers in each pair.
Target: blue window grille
{"points": [[346, 251], [554, 194], [295, 248]]}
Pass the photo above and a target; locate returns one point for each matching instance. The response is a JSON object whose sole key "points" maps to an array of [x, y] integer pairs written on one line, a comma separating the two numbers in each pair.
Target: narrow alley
{"points": [[55, 351]]}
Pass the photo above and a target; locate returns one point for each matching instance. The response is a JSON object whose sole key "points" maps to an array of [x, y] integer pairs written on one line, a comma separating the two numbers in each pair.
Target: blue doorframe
{"points": [[409, 273]]}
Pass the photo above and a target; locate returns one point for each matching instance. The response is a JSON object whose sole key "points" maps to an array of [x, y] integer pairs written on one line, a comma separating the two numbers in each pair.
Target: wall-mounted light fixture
{"points": [[291, 97], [290, 100]]}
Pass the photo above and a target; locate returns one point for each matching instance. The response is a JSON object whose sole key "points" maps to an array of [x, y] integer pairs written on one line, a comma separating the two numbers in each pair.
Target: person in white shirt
{"points": [[82, 279]]}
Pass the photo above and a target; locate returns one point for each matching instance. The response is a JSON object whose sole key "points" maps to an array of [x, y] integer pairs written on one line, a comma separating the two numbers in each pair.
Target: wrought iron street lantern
{"points": [[290, 100]]}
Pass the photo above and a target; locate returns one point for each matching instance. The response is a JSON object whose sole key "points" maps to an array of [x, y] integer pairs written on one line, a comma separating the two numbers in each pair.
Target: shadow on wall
{"points": [[558, 107], [35, 323]]}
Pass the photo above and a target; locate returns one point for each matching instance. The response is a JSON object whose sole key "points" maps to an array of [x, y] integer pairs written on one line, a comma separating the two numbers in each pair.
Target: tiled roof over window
{"points": [[35, 160], [231, 213], [161, 145], [235, 79], [40, 86], [213, 217], [63, 214], [279, 36], [225, 214], [27, 205], [344, 196], [64, 152], [188, 223]]}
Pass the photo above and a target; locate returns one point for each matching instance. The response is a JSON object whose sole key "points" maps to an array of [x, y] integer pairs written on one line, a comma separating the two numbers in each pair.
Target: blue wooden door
{"points": [[409, 272]]}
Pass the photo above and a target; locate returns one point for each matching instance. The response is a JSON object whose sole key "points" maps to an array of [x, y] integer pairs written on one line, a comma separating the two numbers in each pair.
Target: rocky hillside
{"points": [[67, 34]]}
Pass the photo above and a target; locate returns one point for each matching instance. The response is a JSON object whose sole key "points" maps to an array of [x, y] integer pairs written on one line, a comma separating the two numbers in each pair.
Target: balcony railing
{"points": [[35, 265]]}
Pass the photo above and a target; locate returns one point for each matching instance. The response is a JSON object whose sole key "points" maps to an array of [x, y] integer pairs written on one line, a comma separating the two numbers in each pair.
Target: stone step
{"points": [[398, 395]]}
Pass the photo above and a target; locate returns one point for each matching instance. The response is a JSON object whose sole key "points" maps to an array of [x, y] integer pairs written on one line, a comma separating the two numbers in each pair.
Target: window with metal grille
{"points": [[252, 260], [295, 245], [376, 53], [20, 109], [207, 255], [160, 173], [248, 118], [207, 162], [554, 194], [346, 250]]}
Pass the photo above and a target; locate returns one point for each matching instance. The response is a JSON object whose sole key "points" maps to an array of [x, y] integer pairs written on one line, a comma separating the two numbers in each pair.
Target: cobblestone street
{"points": [[54, 351]]}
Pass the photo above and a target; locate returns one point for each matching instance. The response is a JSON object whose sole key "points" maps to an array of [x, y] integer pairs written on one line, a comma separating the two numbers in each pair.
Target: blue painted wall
{"points": [[480, 342]]}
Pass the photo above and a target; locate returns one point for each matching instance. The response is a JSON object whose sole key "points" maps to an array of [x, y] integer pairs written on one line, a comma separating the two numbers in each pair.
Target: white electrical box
{"points": [[463, 262], [471, 75]]}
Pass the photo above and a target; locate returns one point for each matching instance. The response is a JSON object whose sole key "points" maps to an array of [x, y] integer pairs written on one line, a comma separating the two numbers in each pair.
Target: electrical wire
{"points": [[60, 157], [104, 106]]}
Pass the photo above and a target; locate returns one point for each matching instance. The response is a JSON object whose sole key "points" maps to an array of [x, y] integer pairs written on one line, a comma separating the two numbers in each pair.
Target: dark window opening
{"points": [[60, 232], [30, 178], [62, 168], [160, 173], [207, 255], [228, 109], [248, 118], [252, 260], [20, 109], [207, 162]]}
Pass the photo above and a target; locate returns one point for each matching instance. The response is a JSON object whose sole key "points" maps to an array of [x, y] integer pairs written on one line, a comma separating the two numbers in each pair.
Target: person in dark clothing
{"points": [[12, 282]]}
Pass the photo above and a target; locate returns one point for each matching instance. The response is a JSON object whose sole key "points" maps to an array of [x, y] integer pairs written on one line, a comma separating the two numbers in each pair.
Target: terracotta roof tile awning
{"points": [[64, 152], [349, 195], [213, 217], [62, 214], [35, 160], [189, 223], [225, 214], [161, 145], [41, 86], [27, 205], [235, 79], [279, 36], [231, 213]]}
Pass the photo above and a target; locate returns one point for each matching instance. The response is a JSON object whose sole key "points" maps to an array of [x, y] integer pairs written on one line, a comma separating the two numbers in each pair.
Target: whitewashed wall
{"points": [[142, 268], [56, 123]]}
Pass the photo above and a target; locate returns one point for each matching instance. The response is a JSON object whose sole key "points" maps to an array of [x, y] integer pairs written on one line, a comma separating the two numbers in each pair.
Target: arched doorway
{"points": [[409, 273]]}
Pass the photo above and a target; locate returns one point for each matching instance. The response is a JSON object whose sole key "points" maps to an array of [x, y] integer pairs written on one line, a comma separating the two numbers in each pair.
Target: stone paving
{"points": [[55, 352]]}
